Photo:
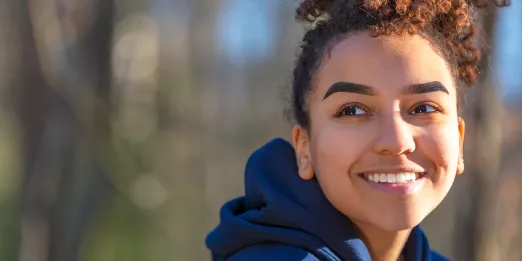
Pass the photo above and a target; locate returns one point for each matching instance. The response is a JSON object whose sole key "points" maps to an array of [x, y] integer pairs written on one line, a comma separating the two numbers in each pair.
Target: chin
{"points": [[395, 219], [399, 224], [403, 220]]}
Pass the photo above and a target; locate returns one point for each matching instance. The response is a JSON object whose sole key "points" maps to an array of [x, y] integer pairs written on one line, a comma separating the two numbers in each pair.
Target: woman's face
{"points": [[385, 141]]}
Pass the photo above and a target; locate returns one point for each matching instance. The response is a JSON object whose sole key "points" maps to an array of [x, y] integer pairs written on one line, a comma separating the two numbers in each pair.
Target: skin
{"points": [[392, 128]]}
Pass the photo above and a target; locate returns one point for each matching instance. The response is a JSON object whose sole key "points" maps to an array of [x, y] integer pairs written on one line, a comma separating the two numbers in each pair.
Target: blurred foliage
{"points": [[9, 167], [123, 131]]}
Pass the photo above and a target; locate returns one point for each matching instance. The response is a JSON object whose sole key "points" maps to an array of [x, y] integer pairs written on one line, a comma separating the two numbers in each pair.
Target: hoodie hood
{"points": [[280, 207]]}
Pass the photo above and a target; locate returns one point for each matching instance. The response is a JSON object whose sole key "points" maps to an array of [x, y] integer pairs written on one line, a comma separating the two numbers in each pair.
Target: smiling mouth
{"points": [[393, 178]]}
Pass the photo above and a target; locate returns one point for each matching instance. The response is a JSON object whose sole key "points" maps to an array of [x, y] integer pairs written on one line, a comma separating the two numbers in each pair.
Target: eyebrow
{"points": [[350, 87], [428, 87]]}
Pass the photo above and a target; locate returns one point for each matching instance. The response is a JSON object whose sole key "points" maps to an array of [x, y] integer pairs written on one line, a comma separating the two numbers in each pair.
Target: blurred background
{"points": [[124, 125]]}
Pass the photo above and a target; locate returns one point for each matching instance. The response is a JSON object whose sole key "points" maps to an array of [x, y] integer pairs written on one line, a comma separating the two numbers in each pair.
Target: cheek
{"points": [[440, 144], [336, 147]]}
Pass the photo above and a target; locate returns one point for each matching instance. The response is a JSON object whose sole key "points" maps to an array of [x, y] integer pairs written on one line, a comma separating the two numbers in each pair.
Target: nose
{"points": [[395, 136]]}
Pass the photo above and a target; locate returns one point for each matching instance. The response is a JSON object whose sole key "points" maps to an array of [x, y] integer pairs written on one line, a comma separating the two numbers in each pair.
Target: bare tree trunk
{"points": [[192, 135], [478, 240], [62, 182], [33, 109]]}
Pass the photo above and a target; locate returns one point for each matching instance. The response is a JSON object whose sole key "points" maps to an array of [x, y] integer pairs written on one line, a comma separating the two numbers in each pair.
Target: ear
{"points": [[462, 129], [301, 144]]}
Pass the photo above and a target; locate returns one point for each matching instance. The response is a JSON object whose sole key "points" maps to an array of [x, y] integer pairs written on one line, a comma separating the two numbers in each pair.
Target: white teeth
{"points": [[392, 178]]}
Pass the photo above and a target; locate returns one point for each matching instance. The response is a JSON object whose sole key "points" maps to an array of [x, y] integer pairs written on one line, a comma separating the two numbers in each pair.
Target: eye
{"points": [[425, 109], [350, 110]]}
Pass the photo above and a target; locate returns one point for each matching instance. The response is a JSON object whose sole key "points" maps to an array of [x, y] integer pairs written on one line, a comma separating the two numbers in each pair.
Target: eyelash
{"points": [[338, 113], [435, 106]]}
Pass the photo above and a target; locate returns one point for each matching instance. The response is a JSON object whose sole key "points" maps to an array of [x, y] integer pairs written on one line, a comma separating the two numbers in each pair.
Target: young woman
{"points": [[377, 141]]}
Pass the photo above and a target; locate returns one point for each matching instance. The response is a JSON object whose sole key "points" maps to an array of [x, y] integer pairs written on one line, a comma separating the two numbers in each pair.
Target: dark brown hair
{"points": [[447, 24]]}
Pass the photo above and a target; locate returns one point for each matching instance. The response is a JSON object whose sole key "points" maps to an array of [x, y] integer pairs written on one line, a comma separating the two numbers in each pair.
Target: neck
{"points": [[383, 245]]}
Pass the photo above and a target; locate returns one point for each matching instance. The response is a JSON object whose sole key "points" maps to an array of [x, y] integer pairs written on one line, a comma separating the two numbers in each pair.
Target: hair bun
{"points": [[310, 10]]}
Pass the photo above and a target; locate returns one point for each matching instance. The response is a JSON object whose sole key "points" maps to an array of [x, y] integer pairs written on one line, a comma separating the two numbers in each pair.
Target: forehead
{"points": [[385, 63]]}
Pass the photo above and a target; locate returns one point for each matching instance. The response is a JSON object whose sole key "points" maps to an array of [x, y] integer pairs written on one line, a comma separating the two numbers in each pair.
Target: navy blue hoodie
{"points": [[285, 218]]}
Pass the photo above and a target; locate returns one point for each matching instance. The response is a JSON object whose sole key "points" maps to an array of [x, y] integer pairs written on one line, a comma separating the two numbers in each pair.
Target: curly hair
{"points": [[447, 24]]}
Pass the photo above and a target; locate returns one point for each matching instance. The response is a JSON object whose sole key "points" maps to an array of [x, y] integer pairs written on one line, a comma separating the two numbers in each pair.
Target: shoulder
{"points": [[437, 257], [272, 252]]}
